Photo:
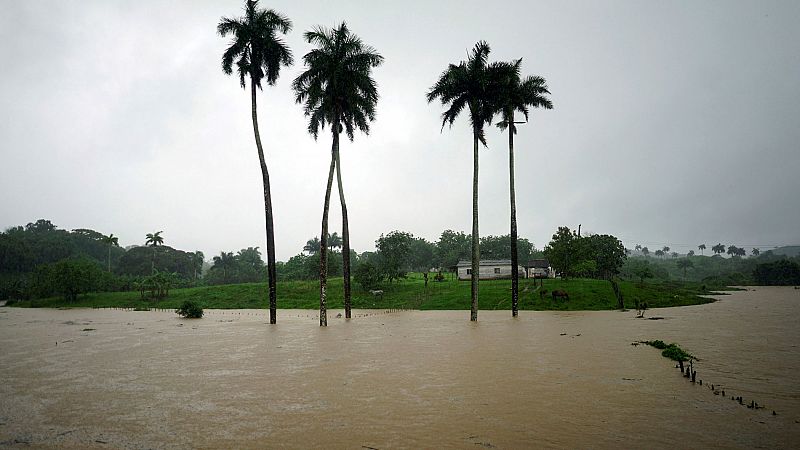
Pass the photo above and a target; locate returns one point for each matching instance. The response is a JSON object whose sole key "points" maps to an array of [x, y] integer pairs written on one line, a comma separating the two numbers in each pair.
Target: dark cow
{"points": [[560, 293]]}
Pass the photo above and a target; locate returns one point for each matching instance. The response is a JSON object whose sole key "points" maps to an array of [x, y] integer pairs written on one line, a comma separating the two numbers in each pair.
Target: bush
{"points": [[190, 310], [368, 276]]}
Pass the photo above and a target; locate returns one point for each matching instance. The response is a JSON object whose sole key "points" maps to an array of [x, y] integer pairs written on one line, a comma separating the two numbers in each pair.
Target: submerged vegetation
{"points": [[671, 351]]}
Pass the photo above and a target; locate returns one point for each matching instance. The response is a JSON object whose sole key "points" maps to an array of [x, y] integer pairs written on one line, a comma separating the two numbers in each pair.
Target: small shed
{"points": [[490, 269], [539, 268]]}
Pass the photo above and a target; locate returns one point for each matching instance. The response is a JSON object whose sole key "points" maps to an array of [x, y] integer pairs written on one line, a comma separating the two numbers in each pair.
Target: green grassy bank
{"points": [[585, 294]]}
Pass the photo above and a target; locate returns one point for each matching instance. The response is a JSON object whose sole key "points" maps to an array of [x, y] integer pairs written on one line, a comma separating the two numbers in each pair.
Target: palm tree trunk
{"points": [[153, 263], [323, 245], [345, 236], [514, 256], [476, 252], [271, 272]]}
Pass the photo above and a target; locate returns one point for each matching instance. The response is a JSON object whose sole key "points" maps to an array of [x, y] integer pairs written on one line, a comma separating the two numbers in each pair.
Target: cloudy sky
{"points": [[675, 123]]}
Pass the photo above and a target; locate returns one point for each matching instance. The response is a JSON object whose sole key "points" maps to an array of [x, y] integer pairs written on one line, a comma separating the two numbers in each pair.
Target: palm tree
{"points": [[756, 251], [518, 95], [645, 251], [659, 252], [665, 249], [259, 53], [474, 84], [223, 262], [337, 89], [334, 241], [197, 262], [719, 248], [638, 247], [701, 247], [312, 246], [112, 241], [691, 253], [154, 240]]}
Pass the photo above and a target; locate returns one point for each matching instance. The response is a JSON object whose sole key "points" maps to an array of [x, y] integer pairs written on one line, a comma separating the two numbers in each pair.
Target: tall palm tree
{"points": [[474, 84], [112, 241], [259, 52], [337, 89], [701, 247], [518, 95], [638, 247], [154, 240]]}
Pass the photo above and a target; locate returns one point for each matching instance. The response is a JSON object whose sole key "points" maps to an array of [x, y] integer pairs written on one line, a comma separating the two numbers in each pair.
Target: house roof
{"points": [[486, 262]]}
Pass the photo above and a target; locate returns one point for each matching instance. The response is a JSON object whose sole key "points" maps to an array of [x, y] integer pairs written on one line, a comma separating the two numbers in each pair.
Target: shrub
{"points": [[368, 276], [190, 310]]}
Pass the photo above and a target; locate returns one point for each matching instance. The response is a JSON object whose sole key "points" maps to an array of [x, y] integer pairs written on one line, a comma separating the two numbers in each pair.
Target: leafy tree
{"points": [[452, 247], [259, 52], [368, 276], [111, 241], [646, 251], [643, 272], [659, 253], [717, 249], [40, 226], [337, 89], [225, 262], [701, 247], [781, 272], [691, 253], [154, 240], [422, 255], [518, 95], [685, 263], [499, 247], [395, 254], [474, 84], [69, 277], [561, 251]]}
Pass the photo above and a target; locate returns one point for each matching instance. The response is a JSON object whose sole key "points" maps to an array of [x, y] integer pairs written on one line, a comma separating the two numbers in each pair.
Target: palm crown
{"points": [[154, 239], [521, 95], [474, 84], [337, 88], [256, 49]]}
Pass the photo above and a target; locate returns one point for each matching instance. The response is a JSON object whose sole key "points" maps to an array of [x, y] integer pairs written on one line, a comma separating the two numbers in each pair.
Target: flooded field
{"points": [[124, 379]]}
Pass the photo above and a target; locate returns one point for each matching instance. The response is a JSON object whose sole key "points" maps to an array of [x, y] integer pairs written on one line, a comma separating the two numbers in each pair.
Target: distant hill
{"points": [[788, 250]]}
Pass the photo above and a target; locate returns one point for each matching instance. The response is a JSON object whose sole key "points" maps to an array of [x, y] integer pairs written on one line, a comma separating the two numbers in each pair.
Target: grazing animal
{"points": [[376, 293], [560, 293]]}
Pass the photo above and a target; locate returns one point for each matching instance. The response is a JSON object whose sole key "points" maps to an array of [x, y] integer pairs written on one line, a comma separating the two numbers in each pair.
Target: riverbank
{"points": [[87, 378], [584, 294]]}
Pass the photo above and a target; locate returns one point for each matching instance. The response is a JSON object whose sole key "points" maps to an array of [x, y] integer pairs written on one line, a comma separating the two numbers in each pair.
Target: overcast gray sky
{"points": [[675, 123]]}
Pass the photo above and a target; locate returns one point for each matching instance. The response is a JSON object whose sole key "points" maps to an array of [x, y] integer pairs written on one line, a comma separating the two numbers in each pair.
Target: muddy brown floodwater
{"points": [[124, 379]]}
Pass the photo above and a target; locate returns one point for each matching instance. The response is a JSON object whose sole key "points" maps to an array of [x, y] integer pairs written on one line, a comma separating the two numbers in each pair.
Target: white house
{"points": [[490, 269]]}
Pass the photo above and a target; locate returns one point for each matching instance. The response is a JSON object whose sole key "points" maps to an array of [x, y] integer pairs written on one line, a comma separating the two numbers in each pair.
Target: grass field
{"points": [[411, 293]]}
